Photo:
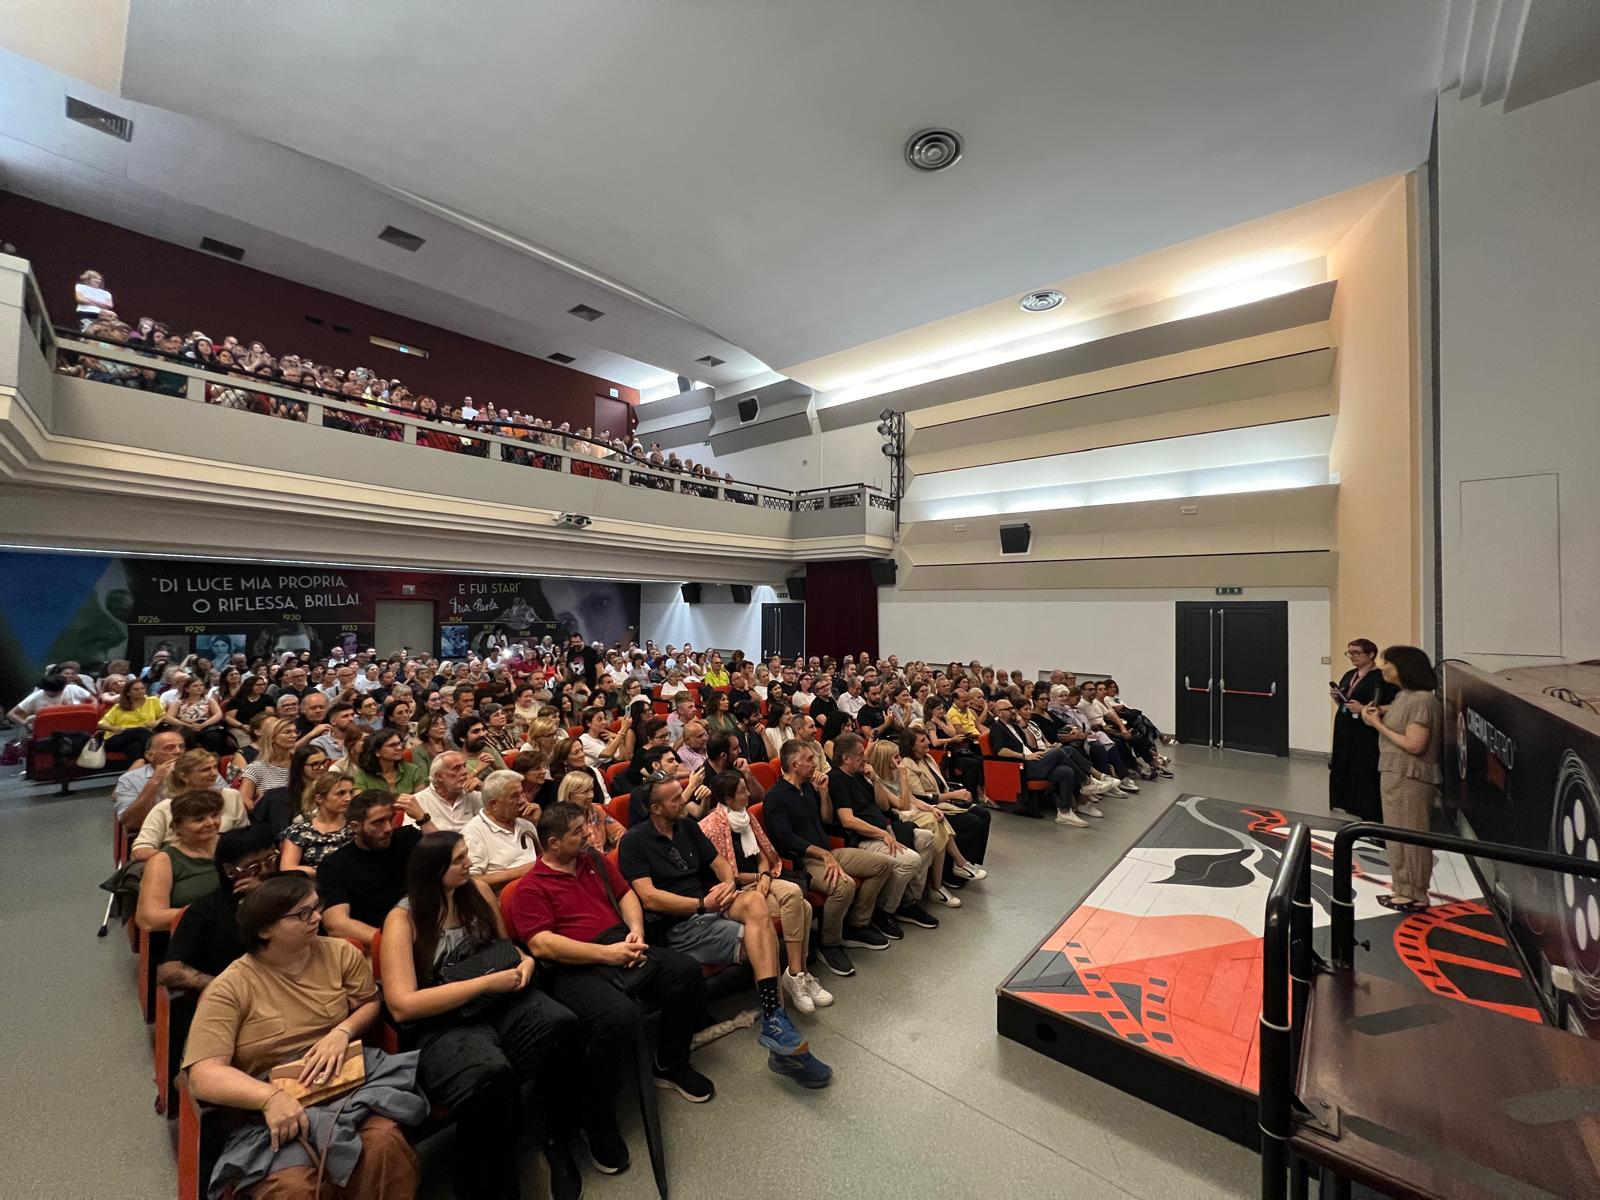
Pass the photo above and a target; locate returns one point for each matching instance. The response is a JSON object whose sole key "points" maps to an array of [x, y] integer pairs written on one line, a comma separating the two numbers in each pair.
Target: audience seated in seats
{"points": [[503, 840], [182, 871], [780, 728], [723, 754], [194, 770], [743, 844], [719, 716], [142, 785], [1103, 718], [749, 734], [577, 788], [968, 820], [693, 904], [471, 738], [1140, 727], [383, 765], [198, 716], [834, 725], [797, 813], [956, 727], [52, 690], [869, 825], [577, 915], [433, 739], [280, 807], [601, 747], [1073, 730], [208, 937], [892, 786], [569, 757], [246, 703], [322, 826], [691, 747], [270, 769], [480, 1034], [295, 995], [129, 723], [538, 789], [360, 883], [682, 714], [447, 801]]}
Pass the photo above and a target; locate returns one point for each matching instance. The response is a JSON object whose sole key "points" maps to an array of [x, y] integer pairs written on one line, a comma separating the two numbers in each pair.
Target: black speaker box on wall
{"points": [[741, 592], [1015, 539], [691, 593], [884, 571], [795, 585]]}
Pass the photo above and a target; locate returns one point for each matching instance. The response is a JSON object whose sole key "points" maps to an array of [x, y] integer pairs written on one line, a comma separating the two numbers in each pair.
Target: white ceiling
{"points": [[739, 160]]}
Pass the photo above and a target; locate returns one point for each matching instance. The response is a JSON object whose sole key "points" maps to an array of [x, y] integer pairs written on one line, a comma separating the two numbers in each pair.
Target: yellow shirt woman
{"points": [[144, 714]]}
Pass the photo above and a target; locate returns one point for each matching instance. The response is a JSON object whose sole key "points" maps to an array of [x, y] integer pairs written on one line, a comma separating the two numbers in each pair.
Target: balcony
{"points": [[88, 461]]}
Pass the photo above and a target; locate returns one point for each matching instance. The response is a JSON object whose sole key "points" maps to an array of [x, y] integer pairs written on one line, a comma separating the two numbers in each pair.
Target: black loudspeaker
{"points": [[795, 585], [691, 593], [741, 592], [883, 571], [1015, 539], [748, 407]]}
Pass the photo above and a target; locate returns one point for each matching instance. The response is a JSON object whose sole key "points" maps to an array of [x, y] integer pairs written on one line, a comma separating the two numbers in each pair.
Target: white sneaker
{"points": [[794, 987], [1099, 787], [1091, 810], [945, 897], [1068, 817], [820, 996], [1130, 786], [971, 871]]}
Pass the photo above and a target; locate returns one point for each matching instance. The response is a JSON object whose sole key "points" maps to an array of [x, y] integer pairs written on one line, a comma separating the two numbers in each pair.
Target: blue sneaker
{"points": [[804, 1068], [778, 1034]]}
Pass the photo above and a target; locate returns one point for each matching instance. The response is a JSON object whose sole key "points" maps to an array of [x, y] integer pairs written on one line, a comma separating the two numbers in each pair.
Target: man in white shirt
{"points": [[502, 844], [682, 713], [446, 798], [469, 410], [852, 701], [138, 790], [180, 680], [52, 690]]}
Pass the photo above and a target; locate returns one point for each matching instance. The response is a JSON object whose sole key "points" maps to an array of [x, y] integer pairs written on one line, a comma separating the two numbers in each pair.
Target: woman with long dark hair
{"points": [[484, 1034], [1408, 769], [1353, 768], [382, 765]]}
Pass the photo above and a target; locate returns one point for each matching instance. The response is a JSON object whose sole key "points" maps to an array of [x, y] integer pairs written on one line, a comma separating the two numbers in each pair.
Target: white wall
{"points": [[1519, 294], [667, 620], [1129, 634], [818, 460]]}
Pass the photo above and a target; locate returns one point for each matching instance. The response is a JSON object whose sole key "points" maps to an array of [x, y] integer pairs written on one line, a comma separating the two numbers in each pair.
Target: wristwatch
{"points": [[425, 819], [700, 908]]}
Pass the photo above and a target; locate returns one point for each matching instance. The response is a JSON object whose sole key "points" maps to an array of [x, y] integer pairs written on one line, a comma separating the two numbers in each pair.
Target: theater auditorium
{"points": [[628, 599]]}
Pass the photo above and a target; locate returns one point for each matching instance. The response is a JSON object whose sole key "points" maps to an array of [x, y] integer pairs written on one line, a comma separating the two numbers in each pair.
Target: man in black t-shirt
{"points": [[207, 938], [867, 826], [584, 660], [361, 882]]}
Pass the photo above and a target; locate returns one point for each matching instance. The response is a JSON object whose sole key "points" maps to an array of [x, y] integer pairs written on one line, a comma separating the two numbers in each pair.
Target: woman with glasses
{"points": [[279, 807], [433, 729], [1353, 769], [383, 766], [298, 996], [322, 826]]}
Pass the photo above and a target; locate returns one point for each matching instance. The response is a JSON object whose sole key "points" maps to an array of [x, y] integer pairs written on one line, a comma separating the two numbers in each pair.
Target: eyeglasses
{"points": [[306, 916], [318, 764], [261, 867]]}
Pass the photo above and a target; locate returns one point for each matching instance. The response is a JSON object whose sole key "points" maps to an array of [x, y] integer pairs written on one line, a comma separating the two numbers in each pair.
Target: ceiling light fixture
{"points": [[1042, 301], [933, 149]]}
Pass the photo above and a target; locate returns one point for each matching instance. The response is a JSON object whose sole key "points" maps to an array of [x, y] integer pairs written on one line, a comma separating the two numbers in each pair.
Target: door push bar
{"points": [[1227, 691], [1205, 690]]}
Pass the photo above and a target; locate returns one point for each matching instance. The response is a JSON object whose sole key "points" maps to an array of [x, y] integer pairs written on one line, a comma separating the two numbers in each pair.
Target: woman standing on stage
{"points": [[1353, 770], [1408, 767]]}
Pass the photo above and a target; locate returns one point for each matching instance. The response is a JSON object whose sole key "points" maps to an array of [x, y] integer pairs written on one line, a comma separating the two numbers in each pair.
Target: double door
{"points": [[1233, 675], [783, 630]]}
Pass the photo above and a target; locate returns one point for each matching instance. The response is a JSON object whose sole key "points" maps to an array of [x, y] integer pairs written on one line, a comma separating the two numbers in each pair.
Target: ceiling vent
{"points": [[1041, 301], [710, 360], [222, 249], [561, 358], [585, 313], [99, 119], [399, 237], [933, 149]]}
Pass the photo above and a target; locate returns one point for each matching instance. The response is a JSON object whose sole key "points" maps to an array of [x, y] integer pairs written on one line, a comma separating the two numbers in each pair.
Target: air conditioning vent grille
{"points": [[222, 249], [399, 237], [99, 119], [561, 358], [584, 313]]}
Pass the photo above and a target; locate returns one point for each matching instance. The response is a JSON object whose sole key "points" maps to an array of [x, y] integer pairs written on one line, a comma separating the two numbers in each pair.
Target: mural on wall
{"points": [[96, 608]]}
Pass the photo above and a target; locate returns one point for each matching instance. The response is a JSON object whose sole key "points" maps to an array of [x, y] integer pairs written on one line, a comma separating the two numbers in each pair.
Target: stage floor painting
{"points": [[1163, 956]]}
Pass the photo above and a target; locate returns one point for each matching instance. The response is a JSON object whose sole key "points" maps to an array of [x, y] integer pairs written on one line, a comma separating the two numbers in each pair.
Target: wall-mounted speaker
{"points": [[749, 406], [884, 571], [795, 585], [741, 592], [1015, 539], [691, 593]]}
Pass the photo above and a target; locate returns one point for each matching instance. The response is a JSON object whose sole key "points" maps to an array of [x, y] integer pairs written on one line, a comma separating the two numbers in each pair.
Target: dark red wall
{"points": [[190, 290]]}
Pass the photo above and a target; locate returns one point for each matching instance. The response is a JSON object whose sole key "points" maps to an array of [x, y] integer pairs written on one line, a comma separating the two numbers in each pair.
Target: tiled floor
{"points": [[927, 1100]]}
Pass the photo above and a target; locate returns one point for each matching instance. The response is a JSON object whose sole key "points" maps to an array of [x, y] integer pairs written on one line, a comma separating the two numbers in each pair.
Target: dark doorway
{"points": [[783, 630], [1233, 675]]}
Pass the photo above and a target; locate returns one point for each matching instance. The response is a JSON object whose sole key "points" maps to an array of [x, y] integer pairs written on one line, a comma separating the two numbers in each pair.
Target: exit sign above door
{"points": [[1239, 591]]}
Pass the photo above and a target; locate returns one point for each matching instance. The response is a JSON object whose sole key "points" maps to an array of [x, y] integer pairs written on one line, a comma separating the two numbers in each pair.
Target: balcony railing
{"points": [[503, 441]]}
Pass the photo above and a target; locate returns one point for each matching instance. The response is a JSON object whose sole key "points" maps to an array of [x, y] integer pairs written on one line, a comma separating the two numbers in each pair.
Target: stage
{"points": [[1153, 982]]}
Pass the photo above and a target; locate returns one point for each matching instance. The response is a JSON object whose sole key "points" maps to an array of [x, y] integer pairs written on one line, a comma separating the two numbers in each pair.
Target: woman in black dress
{"points": [[1353, 771]]}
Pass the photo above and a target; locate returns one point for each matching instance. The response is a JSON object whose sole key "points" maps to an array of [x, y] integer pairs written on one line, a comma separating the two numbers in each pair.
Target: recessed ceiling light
{"points": [[710, 360], [1042, 301], [933, 149]]}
